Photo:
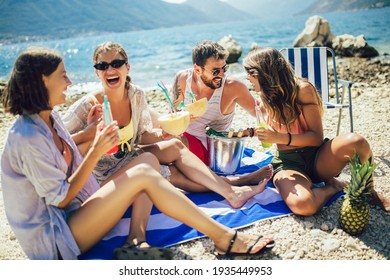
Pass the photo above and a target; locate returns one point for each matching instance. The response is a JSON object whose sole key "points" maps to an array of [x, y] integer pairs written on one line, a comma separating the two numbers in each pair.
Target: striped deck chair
{"points": [[312, 64]]}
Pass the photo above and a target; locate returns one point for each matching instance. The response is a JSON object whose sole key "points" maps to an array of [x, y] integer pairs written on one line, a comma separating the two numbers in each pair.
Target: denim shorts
{"points": [[303, 160]]}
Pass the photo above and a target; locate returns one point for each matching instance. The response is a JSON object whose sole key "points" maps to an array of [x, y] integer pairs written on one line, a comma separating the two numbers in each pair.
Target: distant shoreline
{"points": [[306, 238]]}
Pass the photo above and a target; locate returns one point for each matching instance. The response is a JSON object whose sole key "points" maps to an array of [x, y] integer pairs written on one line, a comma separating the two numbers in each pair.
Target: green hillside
{"points": [[66, 18], [327, 6]]}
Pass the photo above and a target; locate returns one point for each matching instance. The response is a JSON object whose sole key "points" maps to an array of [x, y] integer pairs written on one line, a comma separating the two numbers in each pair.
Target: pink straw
{"points": [[257, 109]]}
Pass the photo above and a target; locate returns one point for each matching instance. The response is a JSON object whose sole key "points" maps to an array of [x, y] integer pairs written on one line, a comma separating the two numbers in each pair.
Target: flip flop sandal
{"points": [[133, 252], [229, 254]]}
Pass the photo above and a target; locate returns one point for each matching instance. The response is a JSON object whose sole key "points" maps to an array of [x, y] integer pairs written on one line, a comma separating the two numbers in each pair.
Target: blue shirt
{"points": [[34, 182]]}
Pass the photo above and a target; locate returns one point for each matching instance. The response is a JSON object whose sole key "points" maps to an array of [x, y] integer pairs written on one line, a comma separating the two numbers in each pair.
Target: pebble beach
{"points": [[318, 237]]}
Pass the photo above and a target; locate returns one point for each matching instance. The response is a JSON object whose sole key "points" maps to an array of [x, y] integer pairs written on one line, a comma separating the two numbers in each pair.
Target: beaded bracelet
{"points": [[289, 139]]}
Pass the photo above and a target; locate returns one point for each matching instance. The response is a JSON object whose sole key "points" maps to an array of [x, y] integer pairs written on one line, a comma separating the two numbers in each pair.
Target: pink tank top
{"points": [[299, 126]]}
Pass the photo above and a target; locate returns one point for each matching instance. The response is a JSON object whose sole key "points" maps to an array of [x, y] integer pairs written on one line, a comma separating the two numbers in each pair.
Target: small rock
{"points": [[300, 254], [351, 243], [316, 233], [324, 227], [289, 256], [331, 244], [293, 248], [308, 225]]}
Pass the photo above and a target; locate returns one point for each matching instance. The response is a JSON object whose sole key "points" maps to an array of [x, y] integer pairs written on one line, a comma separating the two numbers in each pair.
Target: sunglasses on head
{"points": [[215, 72], [252, 72], [116, 63]]}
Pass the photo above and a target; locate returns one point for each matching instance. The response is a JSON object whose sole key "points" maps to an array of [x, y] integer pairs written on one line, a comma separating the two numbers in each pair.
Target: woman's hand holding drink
{"points": [[262, 126], [107, 121], [265, 126], [106, 137]]}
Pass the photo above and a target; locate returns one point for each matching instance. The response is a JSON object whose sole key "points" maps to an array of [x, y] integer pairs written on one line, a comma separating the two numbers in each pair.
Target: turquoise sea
{"points": [[156, 55]]}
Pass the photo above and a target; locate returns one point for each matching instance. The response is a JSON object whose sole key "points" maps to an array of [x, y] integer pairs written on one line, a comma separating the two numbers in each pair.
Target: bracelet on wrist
{"points": [[289, 139], [251, 131]]}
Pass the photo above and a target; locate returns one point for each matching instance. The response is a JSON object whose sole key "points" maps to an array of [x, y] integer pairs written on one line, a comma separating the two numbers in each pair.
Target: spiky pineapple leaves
{"points": [[359, 189], [355, 212]]}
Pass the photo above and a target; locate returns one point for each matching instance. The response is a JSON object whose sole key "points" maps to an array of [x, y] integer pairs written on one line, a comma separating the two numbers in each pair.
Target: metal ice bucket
{"points": [[225, 154]]}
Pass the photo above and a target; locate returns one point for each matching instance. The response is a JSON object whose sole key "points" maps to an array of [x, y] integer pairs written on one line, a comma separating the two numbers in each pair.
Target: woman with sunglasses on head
{"points": [[130, 110], [52, 201], [293, 109]]}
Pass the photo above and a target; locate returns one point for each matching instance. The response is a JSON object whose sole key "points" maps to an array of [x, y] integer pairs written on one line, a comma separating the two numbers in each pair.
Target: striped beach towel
{"points": [[164, 231]]}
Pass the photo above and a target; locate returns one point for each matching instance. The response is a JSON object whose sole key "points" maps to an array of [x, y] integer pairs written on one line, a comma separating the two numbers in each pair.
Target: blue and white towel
{"points": [[164, 231]]}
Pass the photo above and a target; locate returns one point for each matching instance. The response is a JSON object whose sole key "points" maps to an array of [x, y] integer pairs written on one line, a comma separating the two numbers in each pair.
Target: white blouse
{"points": [[34, 182]]}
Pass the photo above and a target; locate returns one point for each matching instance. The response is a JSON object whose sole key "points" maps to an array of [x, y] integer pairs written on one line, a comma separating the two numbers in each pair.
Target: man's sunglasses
{"points": [[116, 63], [215, 72]]}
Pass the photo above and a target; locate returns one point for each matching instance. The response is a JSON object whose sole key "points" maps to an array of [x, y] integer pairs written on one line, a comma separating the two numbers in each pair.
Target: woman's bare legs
{"points": [[335, 155], [142, 206], [140, 214], [102, 211], [174, 151], [297, 191]]}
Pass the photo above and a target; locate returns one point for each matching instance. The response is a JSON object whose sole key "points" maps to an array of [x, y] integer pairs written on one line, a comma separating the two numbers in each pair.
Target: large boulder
{"points": [[316, 33], [350, 46], [234, 49]]}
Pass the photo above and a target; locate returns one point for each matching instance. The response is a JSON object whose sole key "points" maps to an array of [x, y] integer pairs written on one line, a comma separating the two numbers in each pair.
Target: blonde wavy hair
{"points": [[278, 82]]}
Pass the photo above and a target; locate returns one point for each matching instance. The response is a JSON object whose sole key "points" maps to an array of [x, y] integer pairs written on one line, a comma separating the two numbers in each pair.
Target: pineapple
{"points": [[355, 211]]}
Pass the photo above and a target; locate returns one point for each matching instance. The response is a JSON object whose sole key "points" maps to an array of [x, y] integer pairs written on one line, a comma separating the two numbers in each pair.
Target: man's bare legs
{"points": [[252, 178], [203, 179]]}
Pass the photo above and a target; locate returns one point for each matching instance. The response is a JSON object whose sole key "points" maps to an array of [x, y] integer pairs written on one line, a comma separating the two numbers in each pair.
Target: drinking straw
{"points": [[167, 96], [181, 106], [193, 96], [257, 109]]}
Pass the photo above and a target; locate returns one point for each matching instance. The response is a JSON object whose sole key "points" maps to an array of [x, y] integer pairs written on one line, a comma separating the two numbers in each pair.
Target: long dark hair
{"points": [[25, 91]]}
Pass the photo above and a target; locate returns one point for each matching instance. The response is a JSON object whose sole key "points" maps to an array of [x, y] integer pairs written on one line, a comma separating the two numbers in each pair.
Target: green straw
{"points": [[167, 96], [193, 96]]}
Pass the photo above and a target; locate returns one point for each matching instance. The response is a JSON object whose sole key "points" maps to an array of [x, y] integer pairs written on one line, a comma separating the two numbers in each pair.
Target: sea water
{"points": [[156, 55]]}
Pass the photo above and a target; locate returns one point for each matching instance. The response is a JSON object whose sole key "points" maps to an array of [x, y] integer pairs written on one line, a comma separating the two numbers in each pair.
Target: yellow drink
{"points": [[175, 123], [263, 144], [198, 107]]}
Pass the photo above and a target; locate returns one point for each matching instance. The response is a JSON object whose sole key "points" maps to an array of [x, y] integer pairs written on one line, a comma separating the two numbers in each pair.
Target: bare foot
{"points": [[253, 178], [138, 245], [241, 195], [381, 201], [336, 184]]}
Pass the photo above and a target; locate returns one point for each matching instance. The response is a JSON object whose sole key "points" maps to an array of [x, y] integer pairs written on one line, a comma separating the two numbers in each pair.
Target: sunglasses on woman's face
{"points": [[116, 63], [215, 72]]}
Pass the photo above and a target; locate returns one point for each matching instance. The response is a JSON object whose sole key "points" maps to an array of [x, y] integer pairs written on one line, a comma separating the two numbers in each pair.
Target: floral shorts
{"points": [[109, 164]]}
